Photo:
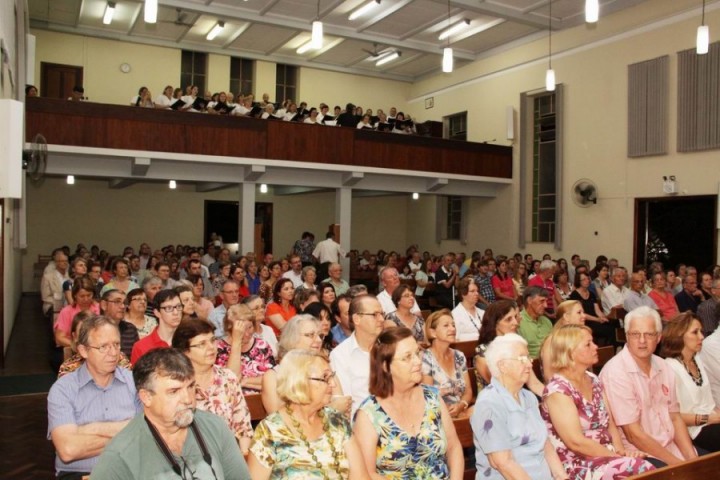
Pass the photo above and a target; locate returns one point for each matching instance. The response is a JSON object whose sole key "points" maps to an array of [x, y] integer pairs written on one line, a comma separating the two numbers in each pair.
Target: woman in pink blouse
{"points": [[663, 297], [502, 283], [217, 389]]}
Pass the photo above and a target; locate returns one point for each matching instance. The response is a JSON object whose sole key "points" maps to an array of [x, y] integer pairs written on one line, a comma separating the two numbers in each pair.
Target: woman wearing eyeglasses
{"points": [[404, 300], [305, 438], [136, 302], [404, 428], [301, 333], [575, 410], [217, 389], [510, 436]]}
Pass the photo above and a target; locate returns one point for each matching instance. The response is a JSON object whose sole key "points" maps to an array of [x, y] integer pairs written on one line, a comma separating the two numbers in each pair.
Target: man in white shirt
{"points": [[391, 280], [295, 272], [613, 296], [351, 359], [710, 356], [326, 252]]}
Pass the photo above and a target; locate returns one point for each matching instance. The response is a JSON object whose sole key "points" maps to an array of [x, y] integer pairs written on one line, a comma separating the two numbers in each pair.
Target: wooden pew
{"points": [[604, 356], [467, 349], [256, 408], [701, 468], [465, 434]]}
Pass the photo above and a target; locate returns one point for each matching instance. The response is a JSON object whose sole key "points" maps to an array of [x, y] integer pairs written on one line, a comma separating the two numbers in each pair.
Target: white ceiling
{"points": [[273, 29]]}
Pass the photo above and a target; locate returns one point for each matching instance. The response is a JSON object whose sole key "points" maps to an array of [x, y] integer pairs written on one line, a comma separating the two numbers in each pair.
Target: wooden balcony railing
{"points": [[124, 127]]}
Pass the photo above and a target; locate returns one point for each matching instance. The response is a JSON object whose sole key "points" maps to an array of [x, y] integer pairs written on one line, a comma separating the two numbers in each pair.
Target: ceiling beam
{"points": [[352, 178], [435, 184], [499, 11], [290, 190], [253, 173], [119, 183], [386, 12], [212, 186], [140, 166]]}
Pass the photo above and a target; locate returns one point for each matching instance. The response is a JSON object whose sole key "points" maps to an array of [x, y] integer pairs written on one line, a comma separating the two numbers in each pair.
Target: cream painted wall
{"points": [[339, 88], [153, 67], [219, 73], [265, 77], [380, 222]]}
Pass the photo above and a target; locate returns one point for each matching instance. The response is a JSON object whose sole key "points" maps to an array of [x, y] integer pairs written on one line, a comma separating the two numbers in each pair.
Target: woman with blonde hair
{"points": [[576, 413], [306, 438], [569, 312]]}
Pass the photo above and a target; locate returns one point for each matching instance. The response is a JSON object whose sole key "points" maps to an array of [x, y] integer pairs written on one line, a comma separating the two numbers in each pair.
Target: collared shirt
{"points": [[296, 278], [339, 334], [612, 296], [328, 251], [352, 366], [500, 423], [340, 288], [389, 307], [224, 398], [484, 283], [534, 331], [217, 317], [75, 399], [636, 397], [634, 300], [710, 356], [151, 342]]}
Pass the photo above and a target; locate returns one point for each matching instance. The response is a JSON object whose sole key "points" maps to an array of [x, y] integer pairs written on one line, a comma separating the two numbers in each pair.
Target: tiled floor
{"points": [[26, 452]]}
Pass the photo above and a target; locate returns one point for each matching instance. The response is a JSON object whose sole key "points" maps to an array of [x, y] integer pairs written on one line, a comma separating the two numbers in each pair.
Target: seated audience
{"points": [[83, 293], [203, 306], [511, 440], [168, 311], [217, 389], [343, 327], [569, 312], [261, 330], [323, 315], [335, 279], [682, 340], [404, 428], [640, 389], [710, 356], [136, 305], [663, 297], [614, 295], [404, 301], [575, 411], [305, 438], [502, 282], [446, 368], [78, 268], [391, 281], [230, 295], [327, 294], [707, 311], [157, 444], [637, 297], [282, 309], [603, 328], [88, 407], [308, 277], [690, 297], [468, 317], [534, 325], [500, 318]]}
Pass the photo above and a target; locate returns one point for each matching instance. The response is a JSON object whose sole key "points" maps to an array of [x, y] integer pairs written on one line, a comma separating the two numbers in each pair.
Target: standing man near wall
{"points": [[326, 252]]}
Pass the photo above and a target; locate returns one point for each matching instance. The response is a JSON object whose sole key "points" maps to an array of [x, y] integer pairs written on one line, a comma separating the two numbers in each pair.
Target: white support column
{"points": [[343, 217], [246, 220]]}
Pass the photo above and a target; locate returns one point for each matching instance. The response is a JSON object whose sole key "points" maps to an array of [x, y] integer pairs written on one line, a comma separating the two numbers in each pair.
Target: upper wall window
{"points": [[698, 93], [193, 70], [241, 75], [648, 107], [286, 82], [456, 126]]}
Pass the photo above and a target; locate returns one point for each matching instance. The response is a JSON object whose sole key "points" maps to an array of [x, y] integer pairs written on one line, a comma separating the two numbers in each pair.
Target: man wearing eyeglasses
{"points": [[171, 439], [88, 407], [351, 359], [230, 294], [113, 306], [641, 392], [168, 310]]}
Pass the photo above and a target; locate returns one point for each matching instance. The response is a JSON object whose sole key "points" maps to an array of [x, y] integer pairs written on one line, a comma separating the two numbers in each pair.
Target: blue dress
{"points": [[400, 456]]}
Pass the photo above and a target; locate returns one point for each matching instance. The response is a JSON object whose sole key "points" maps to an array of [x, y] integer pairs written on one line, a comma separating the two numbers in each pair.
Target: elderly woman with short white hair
{"points": [[511, 439]]}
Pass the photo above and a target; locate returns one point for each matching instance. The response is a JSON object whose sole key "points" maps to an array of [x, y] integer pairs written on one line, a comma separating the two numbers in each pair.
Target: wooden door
{"points": [[57, 81]]}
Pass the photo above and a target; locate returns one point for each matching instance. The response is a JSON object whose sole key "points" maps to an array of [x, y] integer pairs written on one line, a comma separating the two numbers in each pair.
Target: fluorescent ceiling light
{"points": [[305, 47], [592, 11], [317, 35], [447, 62], [151, 9], [454, 29], [219, 26], [387, 58], [109, 12], [359, 12]]}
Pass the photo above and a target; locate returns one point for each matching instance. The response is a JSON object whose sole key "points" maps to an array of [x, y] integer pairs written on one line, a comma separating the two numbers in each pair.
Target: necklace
{"points": [[473, 318], [311, 450], [698, 379]]}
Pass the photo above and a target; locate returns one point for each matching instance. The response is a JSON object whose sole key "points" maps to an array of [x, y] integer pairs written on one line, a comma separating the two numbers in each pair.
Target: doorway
{"points": [[222, 217], [57, 81], [675, 230]]}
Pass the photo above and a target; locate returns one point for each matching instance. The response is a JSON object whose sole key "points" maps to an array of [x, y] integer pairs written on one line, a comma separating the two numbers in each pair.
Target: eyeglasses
{"points": [[171, 308], [139, 299], [105, 349], [312, 335], [521, 359], [205, 343], [325, 378], [371, 314], [409, 357], [644, 335], [117, 301]]}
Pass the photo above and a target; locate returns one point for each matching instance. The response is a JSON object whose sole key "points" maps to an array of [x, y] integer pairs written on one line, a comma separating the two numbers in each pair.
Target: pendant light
{"points": [[550, 74], [447, 61], [703, 35], [592, 11], [317, 31]]}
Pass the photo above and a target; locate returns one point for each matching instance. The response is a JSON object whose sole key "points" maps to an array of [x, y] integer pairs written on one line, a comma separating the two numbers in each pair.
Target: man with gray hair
{"points": [[159, 443], [614, 295], [88, 407], [544, 279], [151, 286], [534, 325], [641, 393]]}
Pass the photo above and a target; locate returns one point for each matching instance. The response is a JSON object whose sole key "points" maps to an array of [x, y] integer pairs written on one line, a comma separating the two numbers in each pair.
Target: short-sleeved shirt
{"points": [[255, 362], [692, 398], [277, 309], [217, 317], [647, 399], [442, 380], [75, 399], [505, 285], [500, 423], [66, 315], [467, 325], [224, 398], [634, 300], [151, 342], [418, 328], [534, 331], [484, 283], [276, 447], [352, 365], [134, 454]]}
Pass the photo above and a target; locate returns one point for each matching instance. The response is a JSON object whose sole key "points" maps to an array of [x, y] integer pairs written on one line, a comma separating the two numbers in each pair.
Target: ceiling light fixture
{"points": [[359, 12], [550, 74], [317, 30], [151, 9], [592, 10], [388, 58], [172, 185], [454, 29], [305, 47], [109, 12], [415, 195], [447, 61], [263, 188], [71, 180], [703, 35], [216, 30]]}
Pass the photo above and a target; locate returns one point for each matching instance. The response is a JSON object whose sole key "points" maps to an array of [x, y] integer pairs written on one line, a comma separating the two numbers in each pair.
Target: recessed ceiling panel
{"points": [[494, 37], [262, 38]]}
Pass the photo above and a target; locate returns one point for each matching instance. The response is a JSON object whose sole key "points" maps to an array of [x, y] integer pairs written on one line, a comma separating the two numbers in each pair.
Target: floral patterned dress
{"points": [[224, 398], [594, 420], [400, 456], [255, 362], [418, 328], [455, 383], [276, 447]]}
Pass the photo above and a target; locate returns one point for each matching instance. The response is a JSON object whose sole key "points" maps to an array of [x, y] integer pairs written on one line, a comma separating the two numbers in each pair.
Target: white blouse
{"points": [[692, 399], [467, 326]]}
